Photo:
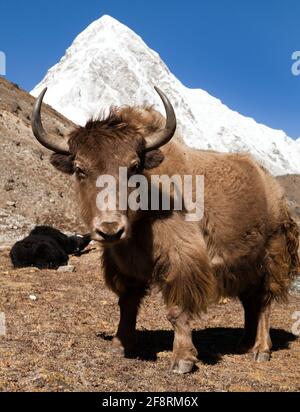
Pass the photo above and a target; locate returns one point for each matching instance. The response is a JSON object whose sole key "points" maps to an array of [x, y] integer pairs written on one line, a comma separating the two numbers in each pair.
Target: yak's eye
{"points": [[80, 173]]}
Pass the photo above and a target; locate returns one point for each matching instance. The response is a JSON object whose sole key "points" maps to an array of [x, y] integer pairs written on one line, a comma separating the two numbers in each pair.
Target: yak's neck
{"points": [[176, 160]]}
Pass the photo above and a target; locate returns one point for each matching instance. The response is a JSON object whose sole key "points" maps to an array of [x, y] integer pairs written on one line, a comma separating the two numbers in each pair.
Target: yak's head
{"points": [[130, 137]]}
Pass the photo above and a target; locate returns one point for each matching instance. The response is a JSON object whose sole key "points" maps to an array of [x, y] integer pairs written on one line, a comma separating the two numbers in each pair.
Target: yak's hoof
{"points": [[117, 347], [117, 351], [181, 366], [262, 356]]}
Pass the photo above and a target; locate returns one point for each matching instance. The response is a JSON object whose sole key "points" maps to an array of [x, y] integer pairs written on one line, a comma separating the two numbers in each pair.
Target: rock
{"points": [[33, 298], [11, 204], [39, 382], [8, 187], [66, 269], [15, 107], [5, 247]]}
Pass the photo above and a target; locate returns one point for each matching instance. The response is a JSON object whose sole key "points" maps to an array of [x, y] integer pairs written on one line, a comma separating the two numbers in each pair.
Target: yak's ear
{"points": [[63, 163], [153, 159]]}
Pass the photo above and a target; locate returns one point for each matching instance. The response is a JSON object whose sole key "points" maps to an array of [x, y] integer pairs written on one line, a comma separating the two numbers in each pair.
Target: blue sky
{"points": [[239, 51]]}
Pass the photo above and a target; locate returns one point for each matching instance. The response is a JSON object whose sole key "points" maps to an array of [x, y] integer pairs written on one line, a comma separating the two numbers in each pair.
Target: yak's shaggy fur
{"points": [[247, 233]]}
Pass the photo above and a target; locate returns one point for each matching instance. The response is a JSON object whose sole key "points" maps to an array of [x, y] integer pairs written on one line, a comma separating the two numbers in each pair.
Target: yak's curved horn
{"points": [[50, 142], [162, 137]]}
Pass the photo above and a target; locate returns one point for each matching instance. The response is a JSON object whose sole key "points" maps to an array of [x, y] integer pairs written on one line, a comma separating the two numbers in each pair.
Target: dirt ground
{"points": [[61, 341]]}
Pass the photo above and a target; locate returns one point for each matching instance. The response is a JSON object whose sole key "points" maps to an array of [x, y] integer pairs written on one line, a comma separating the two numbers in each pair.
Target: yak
{"points": [[244, 246], [47, 248]]}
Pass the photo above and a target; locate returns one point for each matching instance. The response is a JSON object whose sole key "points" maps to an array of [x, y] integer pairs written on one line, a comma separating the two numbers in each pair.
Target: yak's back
{"points": [[243, 204]]}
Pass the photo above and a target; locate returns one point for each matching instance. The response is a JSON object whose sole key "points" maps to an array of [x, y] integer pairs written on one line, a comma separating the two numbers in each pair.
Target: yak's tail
{"points": [[282, 259]]}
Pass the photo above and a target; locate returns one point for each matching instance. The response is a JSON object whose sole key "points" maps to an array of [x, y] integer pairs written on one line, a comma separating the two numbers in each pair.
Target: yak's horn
{"points": [[50, 142], [162, 137]]}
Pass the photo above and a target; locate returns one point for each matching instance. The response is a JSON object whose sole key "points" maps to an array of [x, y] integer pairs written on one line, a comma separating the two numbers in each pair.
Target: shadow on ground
{"points": [[211, 343]]}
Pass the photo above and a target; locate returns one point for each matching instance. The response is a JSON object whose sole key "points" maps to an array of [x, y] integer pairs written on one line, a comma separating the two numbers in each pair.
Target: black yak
{"points": [[47, 248]]}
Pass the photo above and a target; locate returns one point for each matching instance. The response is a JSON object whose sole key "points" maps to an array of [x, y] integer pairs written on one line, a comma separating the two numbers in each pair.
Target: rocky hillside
{"points": [[31, 191]]}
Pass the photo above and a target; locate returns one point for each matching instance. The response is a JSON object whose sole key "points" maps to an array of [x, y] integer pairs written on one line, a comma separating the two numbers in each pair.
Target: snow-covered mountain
{"points": [[108, 64]]}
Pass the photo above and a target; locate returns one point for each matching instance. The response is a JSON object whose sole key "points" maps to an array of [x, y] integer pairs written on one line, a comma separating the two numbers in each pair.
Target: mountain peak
{"points": [[104, 28], [108, 64], [108, 20]]}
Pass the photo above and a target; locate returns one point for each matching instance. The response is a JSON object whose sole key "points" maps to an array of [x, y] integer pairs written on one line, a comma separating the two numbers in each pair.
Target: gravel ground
{"points": [[60, 325]]}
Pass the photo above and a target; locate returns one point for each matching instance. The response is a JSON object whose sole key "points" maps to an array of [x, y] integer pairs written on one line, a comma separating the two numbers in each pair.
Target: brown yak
{"points": [[244, 246]]}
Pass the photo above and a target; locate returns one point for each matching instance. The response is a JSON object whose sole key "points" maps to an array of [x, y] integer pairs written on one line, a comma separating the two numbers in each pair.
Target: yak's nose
{"points": [[110, 231]]}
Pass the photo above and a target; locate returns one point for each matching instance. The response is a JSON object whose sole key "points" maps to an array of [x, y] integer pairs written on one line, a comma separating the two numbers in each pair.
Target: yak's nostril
{"points": [[111, 236]]}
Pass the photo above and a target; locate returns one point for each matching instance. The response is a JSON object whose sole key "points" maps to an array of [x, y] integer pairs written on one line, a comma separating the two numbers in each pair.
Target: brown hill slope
{"points": [[31, 191]]}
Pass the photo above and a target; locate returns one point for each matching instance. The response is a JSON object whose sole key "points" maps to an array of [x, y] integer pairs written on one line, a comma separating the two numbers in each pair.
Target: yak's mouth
{"points": [[109, 238]]}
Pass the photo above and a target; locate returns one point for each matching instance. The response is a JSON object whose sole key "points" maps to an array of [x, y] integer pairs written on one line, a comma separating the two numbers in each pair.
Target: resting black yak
{"points": [[46, 248]]}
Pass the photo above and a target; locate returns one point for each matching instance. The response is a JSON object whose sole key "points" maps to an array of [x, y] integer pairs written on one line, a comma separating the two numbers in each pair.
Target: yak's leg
{"points": [[184, 352], [251, 315], [129, 302], [257, 327], [263, 344]]}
